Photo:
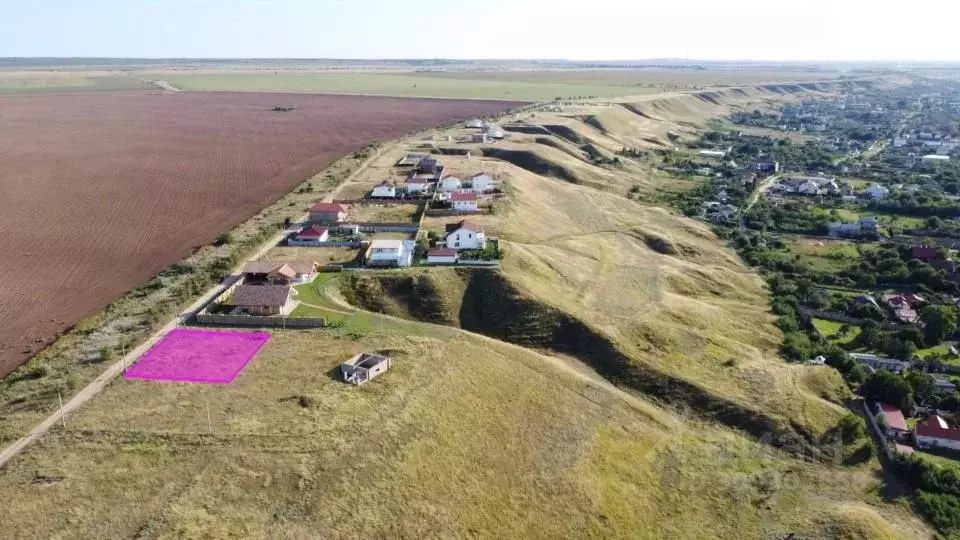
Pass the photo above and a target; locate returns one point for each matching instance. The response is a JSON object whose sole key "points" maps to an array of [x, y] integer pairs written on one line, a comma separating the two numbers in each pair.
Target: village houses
{"points": [[464, 202], [384, 190], [325, 213], [465, 235]]}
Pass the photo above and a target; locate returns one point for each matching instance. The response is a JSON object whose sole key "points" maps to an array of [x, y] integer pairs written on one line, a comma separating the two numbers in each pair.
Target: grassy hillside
{"points": [[465, 436], [616, 377]]}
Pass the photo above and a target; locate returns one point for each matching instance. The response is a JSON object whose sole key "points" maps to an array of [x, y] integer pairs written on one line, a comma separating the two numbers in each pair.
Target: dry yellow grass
{"points": [[465, 436]]}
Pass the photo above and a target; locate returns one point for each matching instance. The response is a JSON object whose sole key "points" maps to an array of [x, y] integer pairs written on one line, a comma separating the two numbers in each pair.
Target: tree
{"points": [[889, 388], [939, 321], [922, 385]]}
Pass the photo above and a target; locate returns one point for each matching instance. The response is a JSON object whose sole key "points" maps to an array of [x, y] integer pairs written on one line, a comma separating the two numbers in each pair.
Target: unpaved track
{"points": [[128, 359]]}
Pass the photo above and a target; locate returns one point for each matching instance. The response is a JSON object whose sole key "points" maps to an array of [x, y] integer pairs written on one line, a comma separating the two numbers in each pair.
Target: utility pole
{"points": [[209, 423], [63, 420]]}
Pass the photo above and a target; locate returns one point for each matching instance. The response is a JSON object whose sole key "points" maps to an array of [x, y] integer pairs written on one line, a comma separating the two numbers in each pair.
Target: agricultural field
{"points": [[539, 85], [130, 182]]}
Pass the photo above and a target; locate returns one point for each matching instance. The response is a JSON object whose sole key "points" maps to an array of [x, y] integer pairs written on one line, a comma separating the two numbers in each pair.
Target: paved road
{"points": [[120, 366]]}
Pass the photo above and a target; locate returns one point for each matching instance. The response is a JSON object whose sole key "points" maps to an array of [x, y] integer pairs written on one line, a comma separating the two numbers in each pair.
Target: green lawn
{"points": [[822, 255], [942, 349], [313, 293], [399, 84], [831, 329]]}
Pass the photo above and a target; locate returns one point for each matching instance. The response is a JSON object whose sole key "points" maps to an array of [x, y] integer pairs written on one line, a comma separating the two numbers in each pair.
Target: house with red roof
{"points": [[903, 307], [310, 236], [325, 213], [934, 432], [464, 202], [893, 417], [442, 256]]}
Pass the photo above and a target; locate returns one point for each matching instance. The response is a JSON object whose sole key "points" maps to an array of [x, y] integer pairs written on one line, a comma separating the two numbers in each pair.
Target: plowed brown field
{"points": [[101, 191]]}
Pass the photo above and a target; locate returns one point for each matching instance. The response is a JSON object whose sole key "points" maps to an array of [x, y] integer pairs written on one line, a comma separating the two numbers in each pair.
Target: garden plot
{"points": [[202, 356]]}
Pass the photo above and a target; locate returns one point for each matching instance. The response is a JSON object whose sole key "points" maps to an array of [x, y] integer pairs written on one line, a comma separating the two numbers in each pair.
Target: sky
{"points": [[801, 30]]}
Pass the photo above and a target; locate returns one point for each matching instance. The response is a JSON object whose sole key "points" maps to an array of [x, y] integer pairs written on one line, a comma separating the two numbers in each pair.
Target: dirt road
{"points": [[128, 359]]}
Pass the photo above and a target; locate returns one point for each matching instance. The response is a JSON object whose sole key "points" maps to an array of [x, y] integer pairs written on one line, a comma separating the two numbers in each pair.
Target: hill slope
{"points": [[616, 377]]}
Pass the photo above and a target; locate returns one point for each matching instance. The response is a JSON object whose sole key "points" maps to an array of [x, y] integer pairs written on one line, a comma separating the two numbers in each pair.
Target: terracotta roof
{"points": [[261, 295], [313, 231], [268, 267], [936, 427], [464, 224], [463, 196], [894, 417], [442, 252], [328, 207]]}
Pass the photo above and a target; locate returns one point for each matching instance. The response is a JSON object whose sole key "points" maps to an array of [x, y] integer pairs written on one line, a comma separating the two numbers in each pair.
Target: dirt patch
{"points": [[101, 191]]}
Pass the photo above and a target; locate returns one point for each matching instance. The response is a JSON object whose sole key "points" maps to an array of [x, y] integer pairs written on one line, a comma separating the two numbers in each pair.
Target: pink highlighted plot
{"points": [[203, 356]]}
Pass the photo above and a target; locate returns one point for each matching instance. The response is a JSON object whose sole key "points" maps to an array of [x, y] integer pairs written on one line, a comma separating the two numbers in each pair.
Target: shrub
{"points": [[106, 354], [223, 239]]}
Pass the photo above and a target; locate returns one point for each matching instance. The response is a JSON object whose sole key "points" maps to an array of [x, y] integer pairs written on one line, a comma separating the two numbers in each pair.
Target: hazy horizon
{"points": [[612, 30]]}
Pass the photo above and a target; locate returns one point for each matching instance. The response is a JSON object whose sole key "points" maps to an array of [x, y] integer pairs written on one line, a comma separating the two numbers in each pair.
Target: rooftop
{"points": [[313, 231], [261, 295], [441, 252], [936, 427], [328, 207], [894, 416], [463, 197], [464, 224], [383, 243]]}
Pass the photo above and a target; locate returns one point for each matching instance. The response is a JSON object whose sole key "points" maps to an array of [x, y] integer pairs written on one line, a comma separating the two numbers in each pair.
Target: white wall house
{"points": [[384, 190], [934, 432], [450, 184], [876, 191], [481, 183], [389, 253], [465, 235], [464, 202], [442, 256], [416, 186]]}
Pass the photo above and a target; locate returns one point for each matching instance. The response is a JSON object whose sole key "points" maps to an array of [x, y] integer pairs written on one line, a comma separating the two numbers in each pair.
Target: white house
{"points": [[713, 153], [389, 253], [465, 235], [933, 158], [442, 256], [481, 183], [384, 190], [476, 123], [876, 191], [417, 186], [312, 235], [450, 184], [464, 202], [934, 432], [494, 131]]}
